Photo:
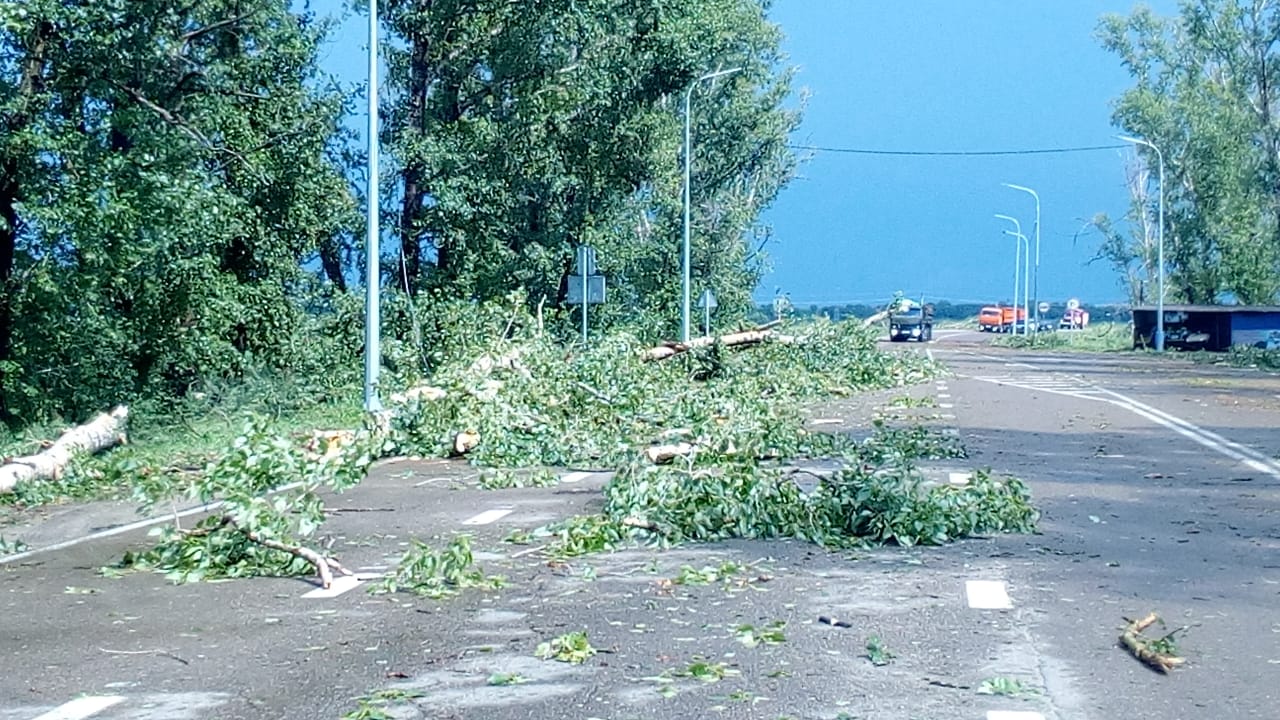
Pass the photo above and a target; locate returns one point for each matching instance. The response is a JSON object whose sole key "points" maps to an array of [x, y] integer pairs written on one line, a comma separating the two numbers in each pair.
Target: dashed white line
{"points": [[946, 406], [944, 395], [574, 477], [82, 707], [488, 516], [987, 595]]}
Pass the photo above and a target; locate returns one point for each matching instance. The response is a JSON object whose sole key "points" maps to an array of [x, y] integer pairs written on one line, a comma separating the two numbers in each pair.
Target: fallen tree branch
{"points": [[746, 337], [1147, 650], [325, 566], [100, 433]]}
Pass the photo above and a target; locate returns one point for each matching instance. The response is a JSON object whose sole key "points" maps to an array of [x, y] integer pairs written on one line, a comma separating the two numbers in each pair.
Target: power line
{"points": [[957, 153]]}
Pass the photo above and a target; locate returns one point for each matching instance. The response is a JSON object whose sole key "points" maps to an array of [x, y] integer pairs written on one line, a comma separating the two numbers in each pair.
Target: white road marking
{"points": [[488, 516], [130, 527], [959, 478], [826, 421], [575, 477], [946, 406], [339, 585], [987, 595], [82, 707], [1248, 456], [1013, 715], [944, 395]]}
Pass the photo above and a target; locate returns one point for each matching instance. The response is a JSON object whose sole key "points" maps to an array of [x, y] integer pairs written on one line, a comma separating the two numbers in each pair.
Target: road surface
{"points": [[1156, 479]]}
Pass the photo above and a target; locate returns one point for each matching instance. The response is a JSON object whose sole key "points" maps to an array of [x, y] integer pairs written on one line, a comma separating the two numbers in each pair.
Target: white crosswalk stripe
{"points": [[1056, 384]]}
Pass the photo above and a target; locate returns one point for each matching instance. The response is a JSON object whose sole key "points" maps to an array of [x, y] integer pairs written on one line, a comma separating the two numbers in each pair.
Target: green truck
{"points": [[910, 321]]}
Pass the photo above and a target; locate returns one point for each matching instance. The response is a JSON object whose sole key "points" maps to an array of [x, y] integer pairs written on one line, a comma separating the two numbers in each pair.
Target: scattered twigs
{"points": [[1158, 653]]}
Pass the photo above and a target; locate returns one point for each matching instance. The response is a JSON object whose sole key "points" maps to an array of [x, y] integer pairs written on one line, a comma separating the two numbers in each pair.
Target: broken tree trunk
{"points": [[1144, 649], [104, 431], [747, 337]]}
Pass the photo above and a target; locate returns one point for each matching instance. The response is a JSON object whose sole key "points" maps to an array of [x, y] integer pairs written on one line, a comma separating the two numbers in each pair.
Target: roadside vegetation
{"points": [[1097, 337], [700, 442]]}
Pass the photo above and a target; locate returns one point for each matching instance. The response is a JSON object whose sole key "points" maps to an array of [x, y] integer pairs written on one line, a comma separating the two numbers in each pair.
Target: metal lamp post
{"points": [[688, 153], [1159, 338], [1035, 291], [372, 337], [1018, 236]]}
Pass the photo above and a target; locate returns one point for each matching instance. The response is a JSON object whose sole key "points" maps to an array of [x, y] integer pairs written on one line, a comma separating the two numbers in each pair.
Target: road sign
{"points": [[595, 289], [708, 300], [585, 260], [1073, 304], [1043, 307]]}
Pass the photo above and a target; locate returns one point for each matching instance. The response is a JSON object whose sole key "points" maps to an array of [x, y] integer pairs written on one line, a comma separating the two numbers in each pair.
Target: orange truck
{"points": [[1000, 318]]}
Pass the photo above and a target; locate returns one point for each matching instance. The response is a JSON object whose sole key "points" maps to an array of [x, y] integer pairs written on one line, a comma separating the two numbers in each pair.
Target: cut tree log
{"points": [[100, 433], [1143, 647], [746, 337], [659, 454]]}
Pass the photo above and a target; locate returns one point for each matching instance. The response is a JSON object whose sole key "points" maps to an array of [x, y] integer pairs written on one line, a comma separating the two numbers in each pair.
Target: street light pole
{"points": [[372, 336], [688, 161], [1159, 338], [1017, 257], [1026, 282], [1035, 292]]}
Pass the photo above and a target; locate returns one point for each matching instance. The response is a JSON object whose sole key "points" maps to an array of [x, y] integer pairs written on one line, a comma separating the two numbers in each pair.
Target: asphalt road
{"points": [[1156, 479]]}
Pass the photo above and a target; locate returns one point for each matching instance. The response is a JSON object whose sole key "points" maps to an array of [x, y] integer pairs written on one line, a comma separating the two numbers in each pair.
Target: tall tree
{"points": [[524, 129], [1206, 94], [166, 170]]}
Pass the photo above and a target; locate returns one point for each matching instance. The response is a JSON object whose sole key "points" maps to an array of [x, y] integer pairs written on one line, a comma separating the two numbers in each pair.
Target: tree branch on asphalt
{"points": [[1157, 653]]}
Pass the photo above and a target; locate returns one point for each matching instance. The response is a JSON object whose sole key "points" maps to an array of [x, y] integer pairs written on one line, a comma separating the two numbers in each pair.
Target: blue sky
{"points": [[932, 75]]}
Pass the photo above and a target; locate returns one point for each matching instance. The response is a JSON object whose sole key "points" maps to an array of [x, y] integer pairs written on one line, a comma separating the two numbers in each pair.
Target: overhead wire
{"points": [[956, 153]]}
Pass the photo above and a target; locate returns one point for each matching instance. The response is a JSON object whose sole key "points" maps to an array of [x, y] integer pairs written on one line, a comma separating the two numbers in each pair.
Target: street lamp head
{"points": [[718, 73], [1135, 141]]}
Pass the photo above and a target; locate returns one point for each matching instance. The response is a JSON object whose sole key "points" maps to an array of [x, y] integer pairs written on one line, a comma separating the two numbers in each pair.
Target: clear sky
{"points": [[948, 75], [933, 75]]}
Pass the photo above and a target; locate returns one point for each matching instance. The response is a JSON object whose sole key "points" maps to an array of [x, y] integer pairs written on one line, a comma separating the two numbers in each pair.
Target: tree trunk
{"points": [[8, 251], [102, 432], [29, 85], [411, 207]]}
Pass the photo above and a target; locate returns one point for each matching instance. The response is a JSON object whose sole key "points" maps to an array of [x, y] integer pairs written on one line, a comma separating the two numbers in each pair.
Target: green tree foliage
{"points": [[164, 170], [1206, 93], [524, 129]]}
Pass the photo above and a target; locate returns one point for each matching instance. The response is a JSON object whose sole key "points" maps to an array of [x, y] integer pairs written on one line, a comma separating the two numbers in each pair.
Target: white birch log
{"points": [[100, 433]]}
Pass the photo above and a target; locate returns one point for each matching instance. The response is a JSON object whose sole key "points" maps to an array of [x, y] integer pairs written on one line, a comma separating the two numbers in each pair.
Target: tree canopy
{"points": [[177, 198], [1207, 93]]}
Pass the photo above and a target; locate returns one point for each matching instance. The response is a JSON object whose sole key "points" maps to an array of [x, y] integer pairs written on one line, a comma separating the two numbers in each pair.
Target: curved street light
{"points": [[1159, 338], [1035, 291], [1017, 257], [688, 153]]}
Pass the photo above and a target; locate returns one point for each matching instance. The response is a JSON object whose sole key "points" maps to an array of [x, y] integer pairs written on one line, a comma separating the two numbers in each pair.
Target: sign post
{"points": [[586, 287], [708, 303]]}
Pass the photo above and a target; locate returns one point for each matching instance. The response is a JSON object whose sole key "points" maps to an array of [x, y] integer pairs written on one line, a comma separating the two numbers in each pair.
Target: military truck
{"points": [[910, 321]]}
